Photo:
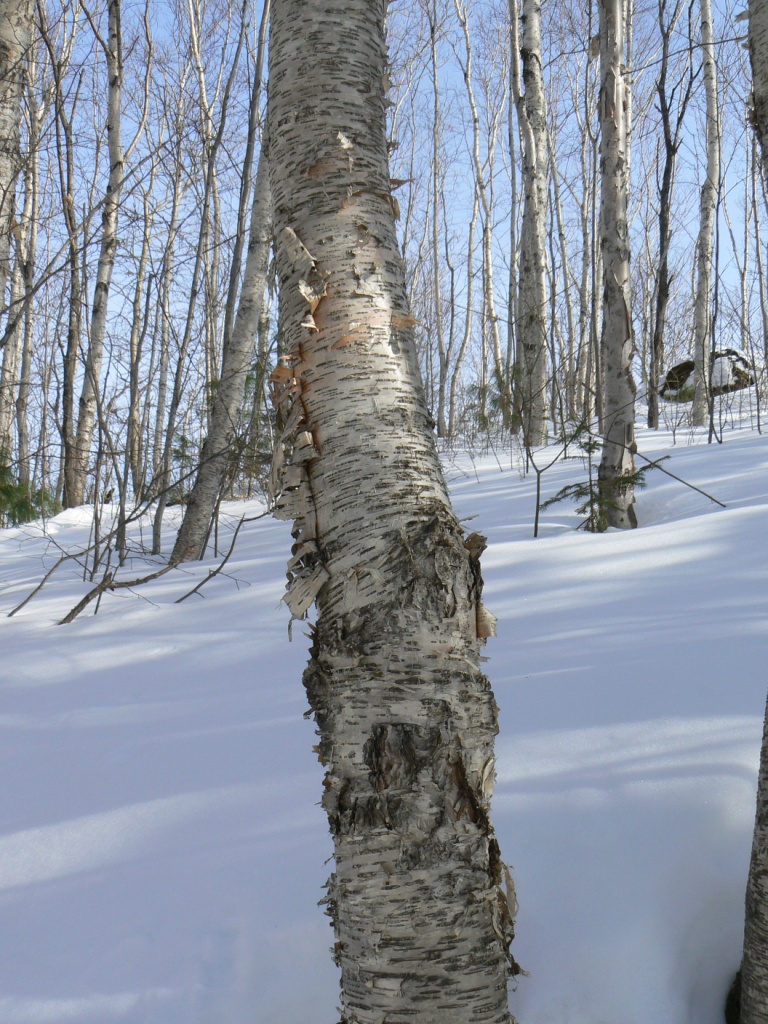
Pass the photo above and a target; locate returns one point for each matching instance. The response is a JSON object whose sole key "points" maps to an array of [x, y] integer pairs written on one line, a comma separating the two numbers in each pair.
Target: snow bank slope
{"points": [[161, 847]]}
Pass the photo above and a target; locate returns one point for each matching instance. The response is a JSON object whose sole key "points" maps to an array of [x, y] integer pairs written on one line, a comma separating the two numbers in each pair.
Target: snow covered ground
{"points": [[161, 847]]}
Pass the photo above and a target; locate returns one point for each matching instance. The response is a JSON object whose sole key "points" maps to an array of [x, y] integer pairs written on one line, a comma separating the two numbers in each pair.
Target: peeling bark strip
{"points": [[405, 717]]}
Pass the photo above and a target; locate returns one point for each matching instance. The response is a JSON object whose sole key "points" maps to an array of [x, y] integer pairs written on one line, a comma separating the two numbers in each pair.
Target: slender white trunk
{"points": [[89, 397], [482, 172], [569, 354], [702, 314], [405, 717], [531, 403], [617, 463]]}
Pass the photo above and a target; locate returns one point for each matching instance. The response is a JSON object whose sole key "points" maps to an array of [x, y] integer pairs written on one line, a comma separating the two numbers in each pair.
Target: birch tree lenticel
{"points": [[406, 718]]}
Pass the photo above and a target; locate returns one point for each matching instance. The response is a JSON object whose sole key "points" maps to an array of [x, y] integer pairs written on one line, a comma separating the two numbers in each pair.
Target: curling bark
{"points": [[406, 718], [618, 462]]}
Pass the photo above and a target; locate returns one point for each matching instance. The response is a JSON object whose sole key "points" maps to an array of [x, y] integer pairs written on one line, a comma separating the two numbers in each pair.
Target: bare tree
{"points": [[672, 102], [617, 463], [702, 324], [531, 401]]}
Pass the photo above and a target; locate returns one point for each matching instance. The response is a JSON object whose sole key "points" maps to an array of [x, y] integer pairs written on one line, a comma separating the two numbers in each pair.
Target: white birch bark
{"points": [[754, 967], [702, 314], [758, 53], [617, 461], [532, 295], [15, 37], [89, 395], [405, 717], [237, 360]]}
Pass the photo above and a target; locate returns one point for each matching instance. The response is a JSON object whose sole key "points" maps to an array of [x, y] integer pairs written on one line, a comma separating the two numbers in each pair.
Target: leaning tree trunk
{"points": [[702, 314], [532, 296], [237, 360], [89, 397], [15, 38], [618, 462], [405, 716], [754, 967]]}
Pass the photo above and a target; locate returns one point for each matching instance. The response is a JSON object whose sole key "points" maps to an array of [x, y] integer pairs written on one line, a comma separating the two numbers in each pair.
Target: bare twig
{"points": [[657, 465], [220, 566], [108, 582]]}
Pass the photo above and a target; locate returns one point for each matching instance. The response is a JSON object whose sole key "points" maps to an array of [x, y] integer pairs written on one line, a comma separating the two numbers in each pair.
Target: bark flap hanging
{"points": [[290, 491]]}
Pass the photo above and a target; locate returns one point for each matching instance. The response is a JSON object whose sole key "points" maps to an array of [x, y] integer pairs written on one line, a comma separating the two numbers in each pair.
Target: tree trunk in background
{"points": [[532, 297], [90, 397], [405, 716], [702, 315], [15, 35], [618, 460], [237, 360], [754, 966]]}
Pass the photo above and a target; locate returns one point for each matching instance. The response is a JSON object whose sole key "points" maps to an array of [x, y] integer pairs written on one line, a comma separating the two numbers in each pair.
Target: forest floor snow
{"points": [[162, 850]]}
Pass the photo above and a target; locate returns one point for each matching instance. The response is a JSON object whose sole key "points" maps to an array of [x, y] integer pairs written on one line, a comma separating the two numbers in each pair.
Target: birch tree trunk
{"points": [[237, 359], [15, 37], [532, 300], [618, 462], [758, 53], [754, 966], [405, 716], [702, 315], [89, 396]]}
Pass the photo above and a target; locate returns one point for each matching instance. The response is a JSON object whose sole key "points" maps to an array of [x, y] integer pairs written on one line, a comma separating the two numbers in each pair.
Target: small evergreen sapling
{"points": [[594, 499]]}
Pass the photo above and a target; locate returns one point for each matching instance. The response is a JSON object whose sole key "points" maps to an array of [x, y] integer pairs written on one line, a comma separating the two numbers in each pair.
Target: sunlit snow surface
{"points": [[161, 848]]}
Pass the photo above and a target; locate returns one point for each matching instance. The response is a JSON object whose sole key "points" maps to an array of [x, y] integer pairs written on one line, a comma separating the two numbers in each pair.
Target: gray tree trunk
{"points": [[618, 462], [702, 315], [237, 360], [405, 716]]}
